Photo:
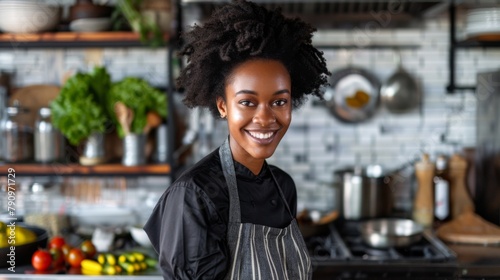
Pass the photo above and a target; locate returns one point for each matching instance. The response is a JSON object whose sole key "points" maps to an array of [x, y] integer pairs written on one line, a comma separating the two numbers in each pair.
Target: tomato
{"points": [[75, 257], [41, 259], [65, 249], [57, 257], [88, 249], [56, 242]]}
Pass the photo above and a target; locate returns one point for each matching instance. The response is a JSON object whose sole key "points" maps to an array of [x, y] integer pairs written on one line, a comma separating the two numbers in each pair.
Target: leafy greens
{"points": [[78, 111], [138, 95]]}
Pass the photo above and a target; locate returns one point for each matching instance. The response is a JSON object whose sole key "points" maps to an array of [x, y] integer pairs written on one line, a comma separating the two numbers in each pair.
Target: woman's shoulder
{"points": [[204, 175]]}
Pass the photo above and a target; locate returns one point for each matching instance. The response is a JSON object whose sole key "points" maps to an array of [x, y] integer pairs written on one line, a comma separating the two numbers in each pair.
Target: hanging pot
{"points": [[353, 95], [400, 93]]}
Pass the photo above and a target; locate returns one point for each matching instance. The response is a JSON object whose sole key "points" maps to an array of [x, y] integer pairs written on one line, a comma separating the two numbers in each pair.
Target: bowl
{"points": [[28, 17], [90, 24], [140, 236], [24, 252]]}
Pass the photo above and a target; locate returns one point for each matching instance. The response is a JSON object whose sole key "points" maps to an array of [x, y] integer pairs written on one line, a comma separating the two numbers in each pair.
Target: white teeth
{"points": [[260, 135]]}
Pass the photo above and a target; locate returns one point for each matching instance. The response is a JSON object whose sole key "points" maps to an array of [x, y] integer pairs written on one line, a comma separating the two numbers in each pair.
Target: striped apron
{"points": [[257, 251]]}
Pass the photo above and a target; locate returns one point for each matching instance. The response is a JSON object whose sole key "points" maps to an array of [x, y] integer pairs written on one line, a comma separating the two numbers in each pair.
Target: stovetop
{"points": [[344, 243]]}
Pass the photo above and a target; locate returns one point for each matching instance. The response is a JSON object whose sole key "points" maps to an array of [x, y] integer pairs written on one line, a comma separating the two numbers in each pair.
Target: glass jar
{"points": [[16, 134]]}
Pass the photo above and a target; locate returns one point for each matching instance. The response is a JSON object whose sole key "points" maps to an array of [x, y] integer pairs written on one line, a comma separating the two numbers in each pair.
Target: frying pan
{"points": [[401, 92], [390, 232], [353, 95]]}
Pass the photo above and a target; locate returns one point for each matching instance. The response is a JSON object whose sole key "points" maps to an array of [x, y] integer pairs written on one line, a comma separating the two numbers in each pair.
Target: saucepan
{"points": [[390, 232]]}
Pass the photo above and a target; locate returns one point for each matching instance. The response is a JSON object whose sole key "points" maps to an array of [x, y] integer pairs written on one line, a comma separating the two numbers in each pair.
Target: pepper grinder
{"points": [[461, 200], [423, 207]]}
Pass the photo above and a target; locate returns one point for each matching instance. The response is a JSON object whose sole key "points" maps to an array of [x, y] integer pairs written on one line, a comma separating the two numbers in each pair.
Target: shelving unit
{"points": [[456, 45], [110, 39]]}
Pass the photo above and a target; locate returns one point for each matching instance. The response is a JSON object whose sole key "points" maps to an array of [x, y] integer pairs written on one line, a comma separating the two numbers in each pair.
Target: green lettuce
{"points": [[79, 109], [138, 95]]}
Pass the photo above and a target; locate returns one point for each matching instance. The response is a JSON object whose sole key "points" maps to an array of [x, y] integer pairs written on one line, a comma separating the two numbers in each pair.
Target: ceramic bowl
{"points": [[28, 17], [90, 24]]}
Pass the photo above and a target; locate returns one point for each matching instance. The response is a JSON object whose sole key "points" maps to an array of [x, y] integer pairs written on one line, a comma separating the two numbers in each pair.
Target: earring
{"points": [[222, 116]]}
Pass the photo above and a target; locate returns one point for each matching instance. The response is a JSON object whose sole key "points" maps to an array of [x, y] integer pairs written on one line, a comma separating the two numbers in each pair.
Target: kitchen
{"points": [[317, 143]]}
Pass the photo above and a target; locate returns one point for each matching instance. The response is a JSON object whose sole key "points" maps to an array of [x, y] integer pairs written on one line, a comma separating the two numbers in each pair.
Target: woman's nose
{"points": [[264, 116]]}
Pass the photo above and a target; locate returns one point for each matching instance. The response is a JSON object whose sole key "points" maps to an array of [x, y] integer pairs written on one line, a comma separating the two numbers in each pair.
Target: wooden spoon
{"points": [[122, 114], [153, 120]]}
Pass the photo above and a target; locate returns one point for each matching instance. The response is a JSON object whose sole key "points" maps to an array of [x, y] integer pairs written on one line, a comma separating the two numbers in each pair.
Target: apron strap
{"points": [[228, 168], [281, 194]]}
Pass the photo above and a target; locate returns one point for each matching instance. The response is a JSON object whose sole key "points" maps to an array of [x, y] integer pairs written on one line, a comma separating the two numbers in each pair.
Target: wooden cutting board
{"points": [[34, 97], [470, 228]]}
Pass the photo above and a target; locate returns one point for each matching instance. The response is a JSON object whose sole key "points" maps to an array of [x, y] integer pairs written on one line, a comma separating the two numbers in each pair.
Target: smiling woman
{"points": [[258, 108], [250, 66]]}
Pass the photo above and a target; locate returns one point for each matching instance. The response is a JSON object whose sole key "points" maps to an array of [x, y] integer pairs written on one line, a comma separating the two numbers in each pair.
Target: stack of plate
{"points": [[482, 22], [90, 24], [24, 16]]}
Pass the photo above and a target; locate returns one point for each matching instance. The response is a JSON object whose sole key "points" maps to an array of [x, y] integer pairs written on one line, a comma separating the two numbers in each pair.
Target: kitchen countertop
{"points": [[473, 262]]}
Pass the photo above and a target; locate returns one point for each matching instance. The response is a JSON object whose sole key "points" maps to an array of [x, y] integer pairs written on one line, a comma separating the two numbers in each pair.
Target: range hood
{"points": [[324, 14]]}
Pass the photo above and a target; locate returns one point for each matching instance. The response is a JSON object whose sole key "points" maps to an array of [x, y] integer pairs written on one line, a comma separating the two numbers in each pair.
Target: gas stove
{"points": [[342, 253]]}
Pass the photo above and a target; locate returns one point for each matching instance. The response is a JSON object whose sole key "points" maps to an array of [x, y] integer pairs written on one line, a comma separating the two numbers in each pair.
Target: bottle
{"points": [[49, 142], [423, 205], [442, 201]]}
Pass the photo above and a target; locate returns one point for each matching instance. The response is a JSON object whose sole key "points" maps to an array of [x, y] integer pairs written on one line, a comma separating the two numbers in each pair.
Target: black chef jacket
{"points": [[188, 225]]}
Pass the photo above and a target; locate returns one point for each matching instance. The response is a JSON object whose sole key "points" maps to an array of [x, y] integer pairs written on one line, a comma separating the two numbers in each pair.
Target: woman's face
{"points": [[258, 109]]}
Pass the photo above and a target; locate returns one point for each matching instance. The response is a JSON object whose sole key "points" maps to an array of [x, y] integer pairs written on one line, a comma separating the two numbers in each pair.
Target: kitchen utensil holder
{"points": [[134, 149], [94, 146]]}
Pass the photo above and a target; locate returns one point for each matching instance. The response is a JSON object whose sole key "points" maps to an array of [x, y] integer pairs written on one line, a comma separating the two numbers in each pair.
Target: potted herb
{"points": [[148, 29], [136, 107], [79, 112]]}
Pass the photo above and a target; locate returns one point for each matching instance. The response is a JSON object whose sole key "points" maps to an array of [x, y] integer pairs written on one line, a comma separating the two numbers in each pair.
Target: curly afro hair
{"points": [[238, 32]]}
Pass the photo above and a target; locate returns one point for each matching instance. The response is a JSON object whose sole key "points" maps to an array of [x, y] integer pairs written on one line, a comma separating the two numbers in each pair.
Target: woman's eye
{"points": [[280, 102], [246, 103]]}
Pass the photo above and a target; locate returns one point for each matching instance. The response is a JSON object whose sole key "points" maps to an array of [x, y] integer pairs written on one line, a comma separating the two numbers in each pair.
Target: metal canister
{"points": [[134, 149], [16, 135], [161, 149], [49, 142]]}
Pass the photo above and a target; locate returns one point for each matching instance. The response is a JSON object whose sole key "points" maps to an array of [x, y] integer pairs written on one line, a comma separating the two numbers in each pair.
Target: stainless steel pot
{"points": [[364, 193], [392, 232]]}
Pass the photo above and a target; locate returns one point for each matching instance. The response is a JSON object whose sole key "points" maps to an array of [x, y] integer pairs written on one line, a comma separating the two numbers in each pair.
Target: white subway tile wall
{"points": [[317, 143]]}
